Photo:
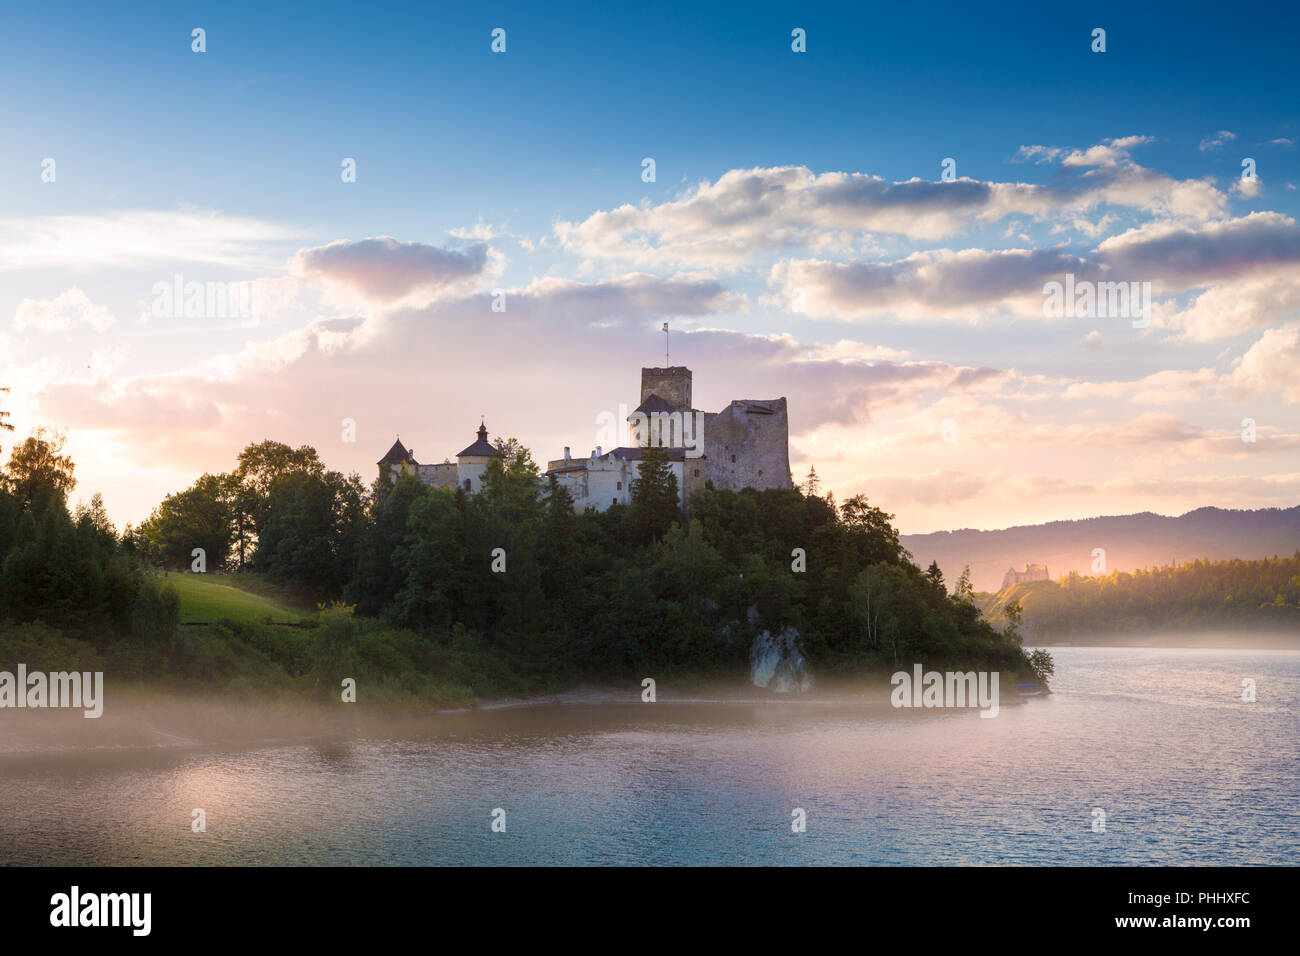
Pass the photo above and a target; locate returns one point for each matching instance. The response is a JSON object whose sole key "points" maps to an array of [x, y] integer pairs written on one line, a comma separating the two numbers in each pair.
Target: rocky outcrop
{"points": [[777, 662]]}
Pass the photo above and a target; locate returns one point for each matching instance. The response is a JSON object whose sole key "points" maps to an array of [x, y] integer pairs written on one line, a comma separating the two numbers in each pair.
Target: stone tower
{"points": [[672, 384]]}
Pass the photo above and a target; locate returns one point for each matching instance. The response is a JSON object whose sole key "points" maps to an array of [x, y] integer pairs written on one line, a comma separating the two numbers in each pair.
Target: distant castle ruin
{"points": [[746, 445], [1032, 572]]}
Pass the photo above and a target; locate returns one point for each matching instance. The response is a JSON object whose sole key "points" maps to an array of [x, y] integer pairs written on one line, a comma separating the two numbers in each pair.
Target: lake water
{"points": [[1159, 739]]}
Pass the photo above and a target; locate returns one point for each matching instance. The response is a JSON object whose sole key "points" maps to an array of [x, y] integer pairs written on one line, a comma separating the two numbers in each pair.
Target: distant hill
{"points": [[1234, 603], [1130, 541]]}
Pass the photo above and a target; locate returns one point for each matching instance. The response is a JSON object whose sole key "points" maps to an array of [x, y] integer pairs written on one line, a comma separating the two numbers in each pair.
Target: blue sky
{"points": [[458, 147], [582, 92]]}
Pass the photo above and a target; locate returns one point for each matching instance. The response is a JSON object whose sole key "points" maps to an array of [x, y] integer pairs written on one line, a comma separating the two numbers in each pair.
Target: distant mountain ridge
{"points": [[1130, 541]]}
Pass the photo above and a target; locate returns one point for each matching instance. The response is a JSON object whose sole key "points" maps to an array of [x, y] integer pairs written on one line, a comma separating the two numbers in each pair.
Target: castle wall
{"points": [[607, 482], [694, 475], [438, 476], [446, 475], [747, 445], [575, 483], [603, 482]]}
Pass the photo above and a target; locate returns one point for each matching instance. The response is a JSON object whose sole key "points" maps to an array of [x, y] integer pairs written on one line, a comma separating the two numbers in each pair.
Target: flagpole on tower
{"points": [[667, 364]]}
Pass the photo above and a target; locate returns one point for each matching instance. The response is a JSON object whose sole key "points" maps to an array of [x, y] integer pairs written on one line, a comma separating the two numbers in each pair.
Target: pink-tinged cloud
{"points": [[384, 270], [63, 313]]}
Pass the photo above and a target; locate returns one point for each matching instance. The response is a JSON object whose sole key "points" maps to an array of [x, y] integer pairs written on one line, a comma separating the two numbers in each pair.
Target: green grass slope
{"points": [[208, 598]]}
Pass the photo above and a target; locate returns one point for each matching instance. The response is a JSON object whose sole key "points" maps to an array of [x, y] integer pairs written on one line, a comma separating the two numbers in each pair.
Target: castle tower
{"points": [[471, 462], [398, 461], [672, 384]]}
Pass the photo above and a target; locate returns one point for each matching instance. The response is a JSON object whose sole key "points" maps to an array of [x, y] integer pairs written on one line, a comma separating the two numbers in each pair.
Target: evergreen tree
{"points": [[378, 575], [964, 591], [654, 497]]}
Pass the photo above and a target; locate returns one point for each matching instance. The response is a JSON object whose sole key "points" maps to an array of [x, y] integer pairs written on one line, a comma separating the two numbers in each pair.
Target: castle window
{"points": [[613, 501], [620, 486], [733, 459], [697, 472], [467, 484]]}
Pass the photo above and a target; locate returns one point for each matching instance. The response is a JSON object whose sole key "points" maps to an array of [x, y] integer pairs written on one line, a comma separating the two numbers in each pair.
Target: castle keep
{"points": [[746, 445]]}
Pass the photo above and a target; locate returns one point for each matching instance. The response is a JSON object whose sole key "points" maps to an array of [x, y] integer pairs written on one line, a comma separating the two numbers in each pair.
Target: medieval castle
{"points": [[746, 445], [1032, 572]]}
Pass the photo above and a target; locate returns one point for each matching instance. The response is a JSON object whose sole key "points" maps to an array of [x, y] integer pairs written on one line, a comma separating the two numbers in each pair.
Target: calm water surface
{"points": [[1159, 739]]}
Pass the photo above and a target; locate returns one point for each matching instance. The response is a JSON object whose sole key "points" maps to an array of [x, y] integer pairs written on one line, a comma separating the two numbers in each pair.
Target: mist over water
{"points": [[1158, 738]]}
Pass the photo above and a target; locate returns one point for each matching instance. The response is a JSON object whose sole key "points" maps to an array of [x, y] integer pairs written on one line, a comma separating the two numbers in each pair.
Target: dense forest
{"points": [[1243, 596], [66, 575], [429, 593]]}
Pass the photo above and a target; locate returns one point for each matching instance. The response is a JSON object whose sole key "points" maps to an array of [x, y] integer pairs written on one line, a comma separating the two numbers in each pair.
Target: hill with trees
{"points": [[429, 594], [1129, 541], [1239, 602]]}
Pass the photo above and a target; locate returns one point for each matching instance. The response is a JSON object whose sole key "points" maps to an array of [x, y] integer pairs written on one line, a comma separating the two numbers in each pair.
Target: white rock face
{"points": [[778, 662]]}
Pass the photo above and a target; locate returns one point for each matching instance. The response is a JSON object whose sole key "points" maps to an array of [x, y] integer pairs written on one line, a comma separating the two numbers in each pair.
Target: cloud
{"points": [[1110, 153], [945, 486], [1269, 366], [561, 352], [634, 296], [1168, 387], [924, 285], [1186, 256], [1247, 268], [1246, 188], [835, 385], [1218, 139], [1250, 491], [1234, 307], [479, 232], [941, 486], [755, 212], [1147, 429], [374, 365], [384, 270], [141, 239], [403, 335], [64, 312]]}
